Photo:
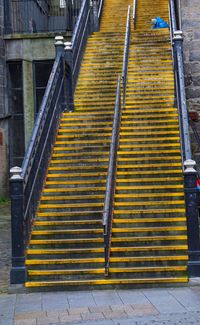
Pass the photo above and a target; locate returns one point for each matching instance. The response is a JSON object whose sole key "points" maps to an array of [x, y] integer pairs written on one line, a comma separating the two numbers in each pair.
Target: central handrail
{"points": [[112, 166], [134, 12], [110, 185], [126, 53]]}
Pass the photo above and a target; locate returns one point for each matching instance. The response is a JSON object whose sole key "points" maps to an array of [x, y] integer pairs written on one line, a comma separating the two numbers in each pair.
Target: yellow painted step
{"points": [[149, 220], [149, 211], [148, 229], [65, 241], [72, 197], [66, 231], [148, 258], [64, 251], [149, 238], [107, 281], [67, 223], [174, 268], [64, 261], [149, 248], [65, 272]]}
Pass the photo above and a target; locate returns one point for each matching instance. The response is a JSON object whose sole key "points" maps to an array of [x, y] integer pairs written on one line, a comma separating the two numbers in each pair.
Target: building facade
{"points": [[27, 31]]}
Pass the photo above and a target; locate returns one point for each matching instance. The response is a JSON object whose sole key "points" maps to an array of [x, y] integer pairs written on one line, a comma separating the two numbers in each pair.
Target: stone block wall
{"points": [[3, 113], [190, 16]]}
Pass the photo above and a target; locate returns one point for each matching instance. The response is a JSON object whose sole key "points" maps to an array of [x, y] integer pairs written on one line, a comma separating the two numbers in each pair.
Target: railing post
{"points": [[192, 214], [69, 76], [18, 269], [94, 16], [178, 48]]}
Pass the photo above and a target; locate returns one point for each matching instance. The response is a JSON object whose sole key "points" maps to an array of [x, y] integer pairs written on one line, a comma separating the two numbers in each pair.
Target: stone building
{"points": [[26, 57]]}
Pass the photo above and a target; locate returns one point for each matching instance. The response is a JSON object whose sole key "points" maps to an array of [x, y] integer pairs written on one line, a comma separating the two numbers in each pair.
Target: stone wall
{"points": [[3, 113], [190, 16]]}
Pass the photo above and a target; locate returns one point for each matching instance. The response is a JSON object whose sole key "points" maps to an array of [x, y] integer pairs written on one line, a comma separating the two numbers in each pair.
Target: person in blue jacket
{"points": [[159, 23]]}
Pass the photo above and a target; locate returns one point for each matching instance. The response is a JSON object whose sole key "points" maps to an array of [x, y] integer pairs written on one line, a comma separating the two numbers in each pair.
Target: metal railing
{"points": [[79, 37], [33, 16], [111, 177], [134, 12], [112, 166], [190, 173], [126, 53], [177, 41], [26, 183], [100, 7]]}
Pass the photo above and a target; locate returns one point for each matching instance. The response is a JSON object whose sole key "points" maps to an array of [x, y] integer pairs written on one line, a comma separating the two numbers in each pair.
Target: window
{"points": [[42, 71], [15, 102]]}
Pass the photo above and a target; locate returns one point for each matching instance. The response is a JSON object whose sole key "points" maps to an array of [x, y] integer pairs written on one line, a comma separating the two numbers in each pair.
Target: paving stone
{"points": [[47, 320], [104, 298], [132, 296], [70, 318], [187, 297], [125, 308], [54, 300], [56, 313], [29, 315], [163, 301], [6, 321], [25, 322], [99, 309], [92, 316], [78, 311], [115, 314], [82, 299]]}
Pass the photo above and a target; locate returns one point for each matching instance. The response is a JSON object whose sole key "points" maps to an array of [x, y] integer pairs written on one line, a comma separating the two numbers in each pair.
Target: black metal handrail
{"points": [[190, 173], [134, 12], [100, 7], [39, 149], [26, 183], [126, 54], [79, 38], [112, 166], [111, 177], [177, 41], [26, 187]]}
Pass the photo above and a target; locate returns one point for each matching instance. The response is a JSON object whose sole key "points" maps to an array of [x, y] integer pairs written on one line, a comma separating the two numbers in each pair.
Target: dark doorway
{"points": [[16, 108], [42, 71]]}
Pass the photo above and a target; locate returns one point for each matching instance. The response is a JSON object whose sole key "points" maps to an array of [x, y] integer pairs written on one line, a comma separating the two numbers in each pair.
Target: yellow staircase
{"points": [[149, 243]]}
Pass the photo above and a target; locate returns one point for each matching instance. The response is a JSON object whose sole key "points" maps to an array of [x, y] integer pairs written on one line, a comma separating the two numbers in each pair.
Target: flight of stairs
{"points": [[149, 242], [67, 245]]}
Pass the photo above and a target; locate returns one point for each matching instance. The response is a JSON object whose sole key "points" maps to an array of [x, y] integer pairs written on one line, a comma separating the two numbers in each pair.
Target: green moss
{"points": [[4, 200]]}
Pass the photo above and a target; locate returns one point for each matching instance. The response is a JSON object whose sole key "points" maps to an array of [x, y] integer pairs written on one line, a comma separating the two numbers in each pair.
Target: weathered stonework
{"points": [[190, 15], [3, 113]]}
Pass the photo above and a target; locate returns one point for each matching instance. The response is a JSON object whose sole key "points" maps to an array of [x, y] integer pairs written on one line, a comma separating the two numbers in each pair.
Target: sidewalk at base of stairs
{"points": [[168, 306], [107, 307]]}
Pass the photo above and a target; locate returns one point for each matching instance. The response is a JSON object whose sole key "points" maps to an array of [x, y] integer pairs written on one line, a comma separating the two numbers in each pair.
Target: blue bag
{"points": [[159, 23]]}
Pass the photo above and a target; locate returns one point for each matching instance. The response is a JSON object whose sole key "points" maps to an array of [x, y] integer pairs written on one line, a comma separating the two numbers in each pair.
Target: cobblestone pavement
{"points": [[172, 306], [5, 246]]}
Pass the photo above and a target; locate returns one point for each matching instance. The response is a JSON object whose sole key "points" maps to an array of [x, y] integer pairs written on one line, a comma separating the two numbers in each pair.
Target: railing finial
{"points": [[68, 46], [59, 40], [16, 172], [189, 166]]}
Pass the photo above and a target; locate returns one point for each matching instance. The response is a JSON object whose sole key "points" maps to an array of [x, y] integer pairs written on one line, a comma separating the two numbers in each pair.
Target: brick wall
{"points": [[190, 13]]}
